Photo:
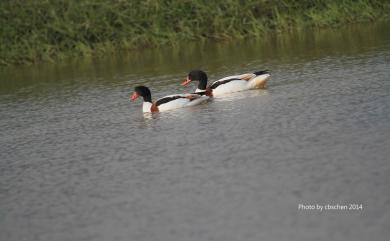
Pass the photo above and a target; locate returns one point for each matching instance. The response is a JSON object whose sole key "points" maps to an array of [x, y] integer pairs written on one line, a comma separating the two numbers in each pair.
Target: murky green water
{"points": [[78, 161]]}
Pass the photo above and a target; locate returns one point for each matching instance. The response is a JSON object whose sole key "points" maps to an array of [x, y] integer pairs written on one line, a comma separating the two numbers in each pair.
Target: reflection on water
{"points": [[79, 161]]}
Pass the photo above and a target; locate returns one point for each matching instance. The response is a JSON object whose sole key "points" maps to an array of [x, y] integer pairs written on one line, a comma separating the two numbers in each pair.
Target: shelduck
{"points": [[230, 84], [168, 102]]}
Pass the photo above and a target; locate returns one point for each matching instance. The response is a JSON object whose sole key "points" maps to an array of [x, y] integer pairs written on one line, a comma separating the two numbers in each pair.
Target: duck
{"points": [[229, 84], [166, 103]]}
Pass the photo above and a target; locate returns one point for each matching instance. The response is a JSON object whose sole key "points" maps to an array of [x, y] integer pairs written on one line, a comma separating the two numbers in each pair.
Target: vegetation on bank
{"points": [[48, 30]]}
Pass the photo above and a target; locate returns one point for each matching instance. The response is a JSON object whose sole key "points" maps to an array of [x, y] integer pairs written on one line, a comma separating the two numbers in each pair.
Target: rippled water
{"points": [[78, 161]]}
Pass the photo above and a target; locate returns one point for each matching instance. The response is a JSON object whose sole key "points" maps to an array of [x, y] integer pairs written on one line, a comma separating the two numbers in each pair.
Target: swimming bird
{"points": [[168, 102], [230, 84]]}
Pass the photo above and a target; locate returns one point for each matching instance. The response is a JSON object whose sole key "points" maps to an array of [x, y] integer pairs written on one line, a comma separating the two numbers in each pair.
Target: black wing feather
{"points": [[171, 98], [218, 83], [168, 99]]}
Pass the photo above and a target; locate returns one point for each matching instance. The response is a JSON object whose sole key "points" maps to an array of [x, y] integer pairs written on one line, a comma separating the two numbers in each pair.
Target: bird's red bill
{"points": [[186, 82], [134, 96]]}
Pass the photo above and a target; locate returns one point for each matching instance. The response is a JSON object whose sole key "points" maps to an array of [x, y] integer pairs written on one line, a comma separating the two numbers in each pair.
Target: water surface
{"points": [[79, 161]]}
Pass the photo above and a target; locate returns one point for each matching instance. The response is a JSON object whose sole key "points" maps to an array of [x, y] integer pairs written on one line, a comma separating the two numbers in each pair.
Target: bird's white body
{"points": [[239, 84], [166, 103], [187, 101], [146, 107], [181, 103]]}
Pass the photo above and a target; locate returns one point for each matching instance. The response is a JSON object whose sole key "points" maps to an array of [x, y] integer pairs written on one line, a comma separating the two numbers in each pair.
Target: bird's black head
{"points": [[197, 75], [142, 91]]}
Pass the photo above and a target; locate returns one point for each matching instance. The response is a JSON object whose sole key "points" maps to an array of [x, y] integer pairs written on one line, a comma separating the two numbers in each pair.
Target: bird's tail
{"points": [[261, 72]]}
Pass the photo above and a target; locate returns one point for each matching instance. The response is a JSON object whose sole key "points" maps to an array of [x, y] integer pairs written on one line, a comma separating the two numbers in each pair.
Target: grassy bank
{"points": [[49, 30]]}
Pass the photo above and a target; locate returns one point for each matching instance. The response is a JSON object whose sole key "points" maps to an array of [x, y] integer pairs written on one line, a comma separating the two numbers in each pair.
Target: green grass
{"points": [[50, 30]]}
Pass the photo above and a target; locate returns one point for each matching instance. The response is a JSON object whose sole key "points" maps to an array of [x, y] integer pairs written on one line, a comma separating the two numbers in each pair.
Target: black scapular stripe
{"points": [[170, 98], [216, 84], [199, 93]]}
